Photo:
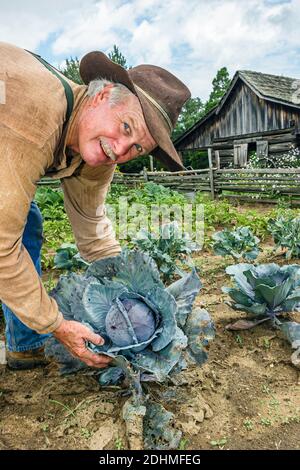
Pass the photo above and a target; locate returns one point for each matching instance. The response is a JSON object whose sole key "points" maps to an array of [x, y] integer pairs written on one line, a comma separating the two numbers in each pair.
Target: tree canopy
{"points": [[116, 56]]}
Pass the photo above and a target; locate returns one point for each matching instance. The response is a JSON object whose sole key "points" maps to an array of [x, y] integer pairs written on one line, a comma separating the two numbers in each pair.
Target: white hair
{"points": [[119, 93]]}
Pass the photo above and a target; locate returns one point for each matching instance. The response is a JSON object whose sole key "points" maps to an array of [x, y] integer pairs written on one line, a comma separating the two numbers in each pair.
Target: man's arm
{"points": [[21, 166], [84, 202]]}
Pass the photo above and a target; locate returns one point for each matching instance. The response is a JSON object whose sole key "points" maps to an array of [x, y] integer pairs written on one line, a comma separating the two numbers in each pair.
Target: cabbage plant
{"points": [[166, 247], [238, 243], [286, 234], [151, 332], [265, 292]]}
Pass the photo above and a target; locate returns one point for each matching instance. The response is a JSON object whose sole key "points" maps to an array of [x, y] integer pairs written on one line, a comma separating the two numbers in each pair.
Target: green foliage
{"points": [[238, 243], [146, 194], [220, 84], [56, 226], [191, 112], [136, 165], [195, 159], [67, 257], [286, 234], [71, 70], [51, 203], [166, 247], [116, 56], [289, 159]]}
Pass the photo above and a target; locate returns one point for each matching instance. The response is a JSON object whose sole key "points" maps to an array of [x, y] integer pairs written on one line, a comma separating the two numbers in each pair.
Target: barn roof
{"points": [[276, 88], [273, 87]]}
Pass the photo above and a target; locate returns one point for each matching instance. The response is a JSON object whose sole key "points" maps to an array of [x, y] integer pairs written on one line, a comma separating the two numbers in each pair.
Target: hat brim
{"points": [[97, 65]]}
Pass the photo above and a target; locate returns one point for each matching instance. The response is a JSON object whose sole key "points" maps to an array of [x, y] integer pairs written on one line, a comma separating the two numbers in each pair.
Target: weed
{"points": [[183, 444], [248, 424], [266, 389], [239, 340], [219, 442], [119, 444], [266, 422], [85, 433]]}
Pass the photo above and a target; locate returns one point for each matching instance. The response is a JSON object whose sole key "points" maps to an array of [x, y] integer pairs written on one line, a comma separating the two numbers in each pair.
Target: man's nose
{"points": [[122, 146]]}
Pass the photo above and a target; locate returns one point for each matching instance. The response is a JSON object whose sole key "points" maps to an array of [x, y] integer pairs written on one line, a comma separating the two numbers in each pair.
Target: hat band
{"points": [[157, 105]]}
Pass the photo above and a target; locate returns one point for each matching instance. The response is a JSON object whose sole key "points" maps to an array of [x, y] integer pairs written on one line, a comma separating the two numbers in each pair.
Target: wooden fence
{"points": [[263, 185]]}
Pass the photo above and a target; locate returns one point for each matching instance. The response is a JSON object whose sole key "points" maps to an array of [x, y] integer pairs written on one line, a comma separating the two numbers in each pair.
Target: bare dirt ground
{"points": [[247, 396]]}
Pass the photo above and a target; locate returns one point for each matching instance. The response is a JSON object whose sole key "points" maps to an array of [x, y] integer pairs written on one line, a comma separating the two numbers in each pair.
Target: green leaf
{"points": [[184, 292]]}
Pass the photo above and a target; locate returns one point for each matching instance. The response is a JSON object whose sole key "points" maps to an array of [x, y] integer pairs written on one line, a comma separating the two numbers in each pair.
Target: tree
{"points": [[191, 112], [71, 70], [220, 85], [116, 56]]}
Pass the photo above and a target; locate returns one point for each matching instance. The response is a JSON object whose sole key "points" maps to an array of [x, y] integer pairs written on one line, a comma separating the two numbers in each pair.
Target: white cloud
{"points": [[192, 38]]}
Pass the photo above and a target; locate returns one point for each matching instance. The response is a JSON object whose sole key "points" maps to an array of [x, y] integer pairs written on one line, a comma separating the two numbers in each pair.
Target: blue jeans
{"points": [[17, 335]]}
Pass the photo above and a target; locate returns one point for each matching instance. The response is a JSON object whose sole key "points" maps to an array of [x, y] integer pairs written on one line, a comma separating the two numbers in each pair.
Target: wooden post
{"points": [[211, 174], [145, 174], [151, 163], [217, 159]]}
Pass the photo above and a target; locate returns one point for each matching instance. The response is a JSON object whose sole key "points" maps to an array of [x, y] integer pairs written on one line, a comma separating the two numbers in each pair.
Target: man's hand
{"points": [[73, 336]]}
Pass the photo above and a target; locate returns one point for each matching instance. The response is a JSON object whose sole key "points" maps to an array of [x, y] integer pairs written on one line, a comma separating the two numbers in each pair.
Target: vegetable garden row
{"points": [[158, 328]]}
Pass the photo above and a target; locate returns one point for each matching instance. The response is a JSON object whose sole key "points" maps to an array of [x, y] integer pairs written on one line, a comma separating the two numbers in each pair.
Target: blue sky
{"points": [[191, 38]]}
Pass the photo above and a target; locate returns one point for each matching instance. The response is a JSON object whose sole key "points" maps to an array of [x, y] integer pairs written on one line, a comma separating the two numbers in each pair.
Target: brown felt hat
{"points": [[160, 93]]}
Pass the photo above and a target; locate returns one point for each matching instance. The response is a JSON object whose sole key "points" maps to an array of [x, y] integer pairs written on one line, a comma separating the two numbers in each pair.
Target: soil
{"points": [[247, 396]]}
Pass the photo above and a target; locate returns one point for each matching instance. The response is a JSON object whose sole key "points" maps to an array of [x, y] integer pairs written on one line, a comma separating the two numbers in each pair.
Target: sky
{"points": [[191, 38]]}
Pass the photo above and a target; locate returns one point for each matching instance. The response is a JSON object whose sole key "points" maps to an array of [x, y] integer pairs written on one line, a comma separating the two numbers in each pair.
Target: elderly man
{"points": [[52, 126]]}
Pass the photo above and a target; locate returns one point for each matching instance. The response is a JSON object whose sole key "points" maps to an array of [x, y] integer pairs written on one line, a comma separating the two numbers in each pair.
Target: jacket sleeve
{"points": [[84, 203], [21, 289]]}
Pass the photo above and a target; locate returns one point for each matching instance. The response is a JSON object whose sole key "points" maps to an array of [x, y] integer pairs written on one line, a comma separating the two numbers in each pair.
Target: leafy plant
{"points": [[166, 248], [150, 331], [51, 203], [238, 243], [67, 257], [286, 234], [264, 292]]}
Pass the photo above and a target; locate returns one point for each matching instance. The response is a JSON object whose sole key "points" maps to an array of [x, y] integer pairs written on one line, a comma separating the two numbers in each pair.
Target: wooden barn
{"points": [[259, 112]]}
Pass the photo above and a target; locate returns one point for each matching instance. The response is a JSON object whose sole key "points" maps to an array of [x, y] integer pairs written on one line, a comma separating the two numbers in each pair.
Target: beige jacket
{"points": [[32, 112]]}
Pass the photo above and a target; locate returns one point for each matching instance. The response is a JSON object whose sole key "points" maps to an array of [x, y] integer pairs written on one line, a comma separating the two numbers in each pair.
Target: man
{"points": [[50, 125]]}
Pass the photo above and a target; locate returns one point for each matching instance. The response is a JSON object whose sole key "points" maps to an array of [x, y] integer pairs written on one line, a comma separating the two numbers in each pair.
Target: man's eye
{"points": [[126, 127], [139, 148]]}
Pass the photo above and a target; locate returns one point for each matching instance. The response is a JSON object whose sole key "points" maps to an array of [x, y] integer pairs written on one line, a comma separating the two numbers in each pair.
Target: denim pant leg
{"points": [[18, 336]]}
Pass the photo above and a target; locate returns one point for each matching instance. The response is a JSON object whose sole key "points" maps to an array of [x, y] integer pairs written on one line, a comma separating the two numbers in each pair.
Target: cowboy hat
{"points": [[160, 93]]}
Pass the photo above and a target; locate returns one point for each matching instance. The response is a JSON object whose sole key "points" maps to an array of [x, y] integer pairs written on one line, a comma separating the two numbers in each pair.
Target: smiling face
{"points": [[112, 133]]}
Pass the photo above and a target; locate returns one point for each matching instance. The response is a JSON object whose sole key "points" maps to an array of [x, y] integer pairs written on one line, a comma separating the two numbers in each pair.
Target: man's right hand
{"points": [[73, 335]]}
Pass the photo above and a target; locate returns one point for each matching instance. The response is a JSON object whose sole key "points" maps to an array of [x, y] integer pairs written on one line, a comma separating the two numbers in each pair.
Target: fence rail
{"points": [[260, 183], [243, 184]]}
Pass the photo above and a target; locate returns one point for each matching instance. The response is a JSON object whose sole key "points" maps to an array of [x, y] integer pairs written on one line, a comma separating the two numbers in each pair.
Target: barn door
{"points": [[262, 148], [240, 155]]}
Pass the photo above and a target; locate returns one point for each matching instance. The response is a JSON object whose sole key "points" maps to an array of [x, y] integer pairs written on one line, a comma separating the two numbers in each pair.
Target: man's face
{"points": [[110, 134]]}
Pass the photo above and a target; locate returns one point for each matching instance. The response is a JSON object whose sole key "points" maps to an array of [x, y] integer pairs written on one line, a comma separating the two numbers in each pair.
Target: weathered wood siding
{"points": [[243, 113], [246, 113]]}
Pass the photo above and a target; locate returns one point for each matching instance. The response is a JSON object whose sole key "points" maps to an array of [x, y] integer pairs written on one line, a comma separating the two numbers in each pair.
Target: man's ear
{"points": [[102, 95]]}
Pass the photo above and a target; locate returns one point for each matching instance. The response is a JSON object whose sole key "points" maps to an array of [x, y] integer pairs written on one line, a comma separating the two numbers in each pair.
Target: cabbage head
{"points": [[151, 331]]}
